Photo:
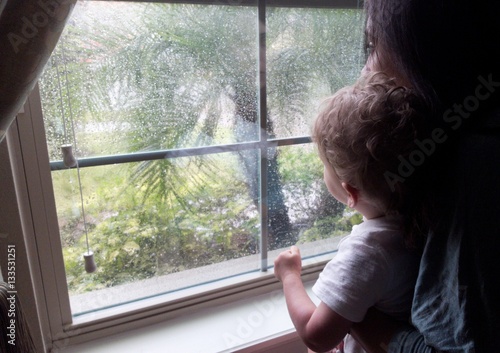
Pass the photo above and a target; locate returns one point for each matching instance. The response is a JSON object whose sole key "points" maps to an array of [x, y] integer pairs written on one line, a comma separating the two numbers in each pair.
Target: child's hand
{"points": [[288, 262]]}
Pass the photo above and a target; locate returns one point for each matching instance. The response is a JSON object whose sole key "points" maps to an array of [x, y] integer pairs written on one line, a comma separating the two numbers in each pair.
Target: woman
{"points": [[449, 52]]}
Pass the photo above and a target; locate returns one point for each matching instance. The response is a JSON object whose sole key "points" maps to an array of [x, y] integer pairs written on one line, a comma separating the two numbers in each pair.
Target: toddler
{"points": [[362, 134]]}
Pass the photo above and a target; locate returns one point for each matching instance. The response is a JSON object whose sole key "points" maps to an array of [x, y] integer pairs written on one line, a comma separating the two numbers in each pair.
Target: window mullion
{"points": [[264, 207]]}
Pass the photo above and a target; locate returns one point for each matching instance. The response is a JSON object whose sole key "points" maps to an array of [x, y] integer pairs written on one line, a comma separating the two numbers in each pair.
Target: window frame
{"points": [[28, 149]]}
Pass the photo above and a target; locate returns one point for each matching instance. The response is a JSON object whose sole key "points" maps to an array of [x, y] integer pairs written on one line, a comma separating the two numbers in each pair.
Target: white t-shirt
{"points": [[372, 267]]}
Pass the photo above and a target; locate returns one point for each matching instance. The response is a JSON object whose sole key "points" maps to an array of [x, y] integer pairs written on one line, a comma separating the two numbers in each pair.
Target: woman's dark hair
{"points": [[440, 46], [445, 49]]}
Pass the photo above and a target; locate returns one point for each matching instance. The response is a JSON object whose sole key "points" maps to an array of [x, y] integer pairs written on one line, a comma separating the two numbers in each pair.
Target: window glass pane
{"points": [[311, 54], [152, 219], [129, 77], [143, 76], [301, 210]]}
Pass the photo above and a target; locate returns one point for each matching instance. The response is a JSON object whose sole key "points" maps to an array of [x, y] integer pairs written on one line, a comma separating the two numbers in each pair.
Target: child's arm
{"points": [[320, 328]]}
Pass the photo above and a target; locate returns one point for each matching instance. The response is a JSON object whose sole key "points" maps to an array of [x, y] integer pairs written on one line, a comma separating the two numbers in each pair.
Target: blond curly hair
{"points": [[363, 130]]}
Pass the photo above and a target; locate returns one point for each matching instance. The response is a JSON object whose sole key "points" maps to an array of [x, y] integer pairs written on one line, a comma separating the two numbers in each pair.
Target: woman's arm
{"points": [[379, 333], [320, 328]]}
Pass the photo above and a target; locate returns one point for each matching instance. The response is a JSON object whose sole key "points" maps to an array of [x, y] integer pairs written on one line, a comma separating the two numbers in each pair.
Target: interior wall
{"points": [[12, 235]]}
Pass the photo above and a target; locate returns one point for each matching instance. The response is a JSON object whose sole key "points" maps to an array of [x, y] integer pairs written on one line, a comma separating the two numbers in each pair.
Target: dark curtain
{"points": [[29, 31]]}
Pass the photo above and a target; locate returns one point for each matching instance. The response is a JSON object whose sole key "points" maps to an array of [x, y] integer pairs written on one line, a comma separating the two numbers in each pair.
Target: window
{"points": [[191, 131]]}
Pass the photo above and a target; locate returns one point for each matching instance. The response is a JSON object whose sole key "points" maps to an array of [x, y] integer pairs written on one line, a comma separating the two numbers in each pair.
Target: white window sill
{"points": [[259, 324]]}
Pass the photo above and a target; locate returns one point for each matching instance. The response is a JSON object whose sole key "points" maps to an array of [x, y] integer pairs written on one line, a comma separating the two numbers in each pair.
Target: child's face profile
{"points": [[334, 184]]}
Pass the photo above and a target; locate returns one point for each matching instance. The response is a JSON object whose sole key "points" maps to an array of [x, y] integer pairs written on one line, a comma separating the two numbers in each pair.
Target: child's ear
{"points": [[352, 194]]}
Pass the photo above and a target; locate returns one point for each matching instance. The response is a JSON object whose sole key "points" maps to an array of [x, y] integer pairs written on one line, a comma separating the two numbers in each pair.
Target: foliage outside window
{"points": [[180, 82]]}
